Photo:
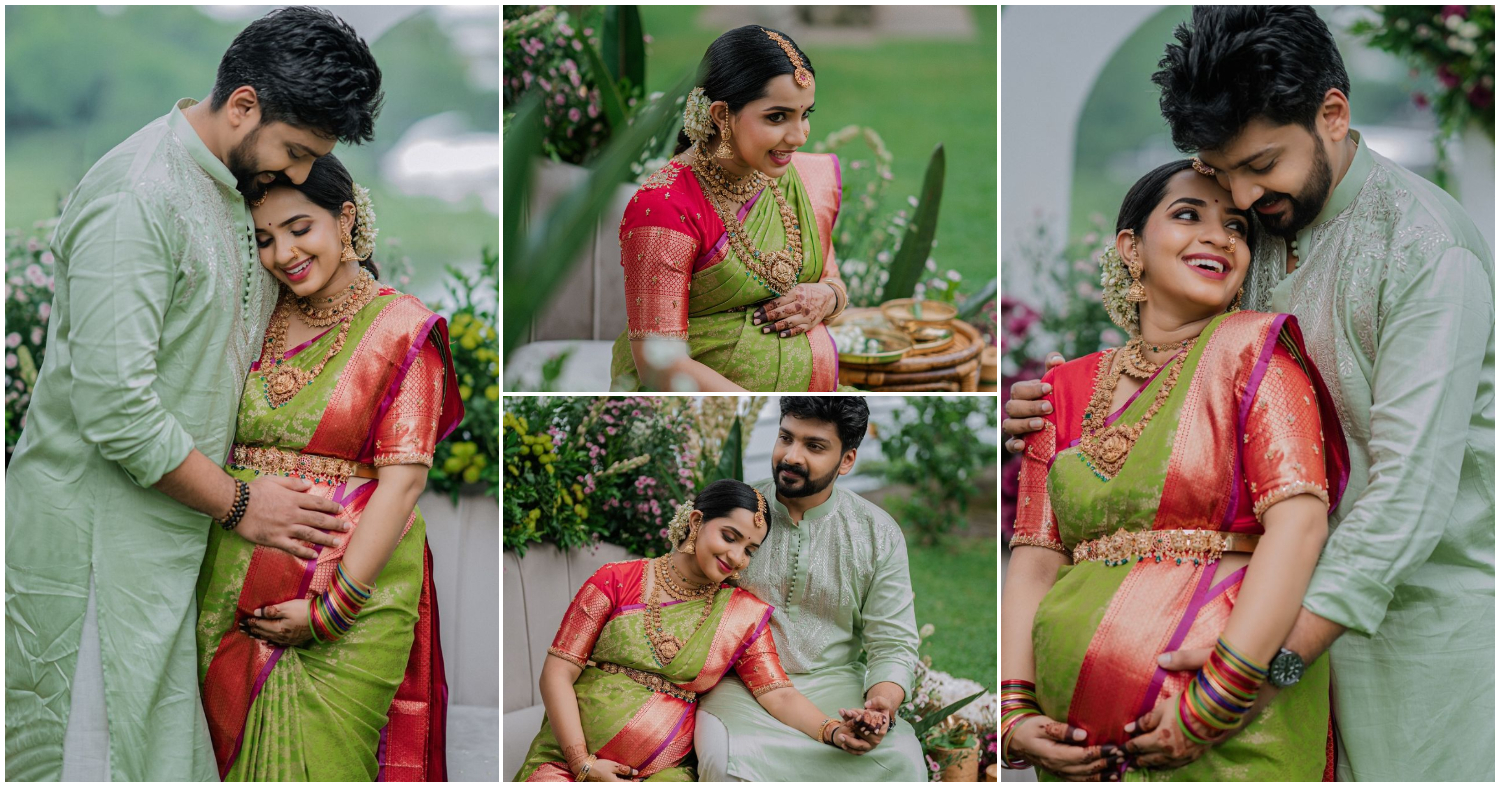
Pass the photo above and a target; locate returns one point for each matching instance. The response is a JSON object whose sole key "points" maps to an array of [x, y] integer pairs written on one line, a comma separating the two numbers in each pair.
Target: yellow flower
{"points": [[512, 468], [551, 470], [481, 462], [468, 342], [489, 334], [577, 491], [464, 391], [464, 448], [492, 393], [472, 475], [453, 465], [583, 513], [525, 451]]}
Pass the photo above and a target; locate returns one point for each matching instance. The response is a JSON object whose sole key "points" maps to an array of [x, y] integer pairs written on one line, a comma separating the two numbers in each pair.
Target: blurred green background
{"points": [[914, 93], [80, 79]]}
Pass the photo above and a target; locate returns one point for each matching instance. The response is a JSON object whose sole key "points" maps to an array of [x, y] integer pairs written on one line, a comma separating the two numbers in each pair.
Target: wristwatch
{"points": [[1286, 669]]}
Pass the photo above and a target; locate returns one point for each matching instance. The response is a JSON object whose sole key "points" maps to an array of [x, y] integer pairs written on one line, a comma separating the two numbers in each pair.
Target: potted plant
{"points": [[954, 747]]}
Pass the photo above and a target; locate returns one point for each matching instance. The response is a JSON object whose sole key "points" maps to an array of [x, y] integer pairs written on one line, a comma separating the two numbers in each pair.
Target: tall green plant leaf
{"points": [[732, 458], [536, 265], [523, 142], [975, 302], [934, 719], [916, 244], [624, 45]]}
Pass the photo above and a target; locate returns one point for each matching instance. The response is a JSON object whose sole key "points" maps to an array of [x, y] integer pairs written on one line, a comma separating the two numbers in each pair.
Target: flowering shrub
{"points": [[542, 53], [1457, 43], [932, 692], [581, 470], [29, 288], [471, 455], [932, 432]]}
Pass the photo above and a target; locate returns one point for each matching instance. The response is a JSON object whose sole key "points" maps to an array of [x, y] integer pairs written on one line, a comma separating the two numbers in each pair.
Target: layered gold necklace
{"points": [[778, 270], [1137, 365], [1105, 448], [663, 645], [283, 381], [353, 298]]}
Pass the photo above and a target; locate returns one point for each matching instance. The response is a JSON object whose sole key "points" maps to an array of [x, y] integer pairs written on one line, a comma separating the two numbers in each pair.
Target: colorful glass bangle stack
{"points": [[332, 614], [1221, 695], [1017, 704]]}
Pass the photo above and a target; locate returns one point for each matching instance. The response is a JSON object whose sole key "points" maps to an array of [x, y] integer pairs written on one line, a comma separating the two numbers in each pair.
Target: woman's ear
{"points": [[346, 217]]}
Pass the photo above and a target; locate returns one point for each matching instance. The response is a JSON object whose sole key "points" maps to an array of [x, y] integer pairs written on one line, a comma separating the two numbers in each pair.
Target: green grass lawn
{"points": [[955, 586], [915, 94]]}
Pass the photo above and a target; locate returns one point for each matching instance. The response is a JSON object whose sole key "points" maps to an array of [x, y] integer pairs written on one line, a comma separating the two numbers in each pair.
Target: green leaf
{"points": [[975, 302], [523, 142], [732, 458], [538, 263], [624, 45], [916, 244], [934, 719]]}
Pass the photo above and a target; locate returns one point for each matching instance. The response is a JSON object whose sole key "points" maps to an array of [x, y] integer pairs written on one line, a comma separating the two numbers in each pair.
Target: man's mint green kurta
{"points": [[844, 621], [160, 308], [1395, 295]]}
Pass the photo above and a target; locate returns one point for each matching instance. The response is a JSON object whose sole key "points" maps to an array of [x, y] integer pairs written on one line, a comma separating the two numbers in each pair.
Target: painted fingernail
{"points": [[1036, 423], [783, 334], [1108, 750], [765, 330], [1079, 735], [1130, 727], [758, 321]]}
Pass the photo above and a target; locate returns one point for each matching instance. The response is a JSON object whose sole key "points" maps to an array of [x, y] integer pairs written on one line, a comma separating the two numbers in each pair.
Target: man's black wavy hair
{"points": [[849, 415], [309, 69], [1237, 63]]}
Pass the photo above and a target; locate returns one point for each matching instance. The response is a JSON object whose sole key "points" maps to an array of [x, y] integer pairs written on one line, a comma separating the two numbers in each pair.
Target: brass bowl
{"points": [[894, 346], [903, 313], [931, 339]]}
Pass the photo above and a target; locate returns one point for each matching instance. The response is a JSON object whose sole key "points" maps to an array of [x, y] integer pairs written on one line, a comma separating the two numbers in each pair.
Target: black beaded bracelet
{"points": [[236, 511]]}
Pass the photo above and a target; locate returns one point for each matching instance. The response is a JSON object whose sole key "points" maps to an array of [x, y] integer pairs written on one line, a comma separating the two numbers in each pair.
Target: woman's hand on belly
{"points": [[284, 625], [798, 311], [1057, 747], [1160, 742]]}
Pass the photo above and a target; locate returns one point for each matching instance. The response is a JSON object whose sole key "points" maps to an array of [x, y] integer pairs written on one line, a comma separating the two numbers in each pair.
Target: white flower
{"points": [[696, 122], [365, 233], [954, 276]]}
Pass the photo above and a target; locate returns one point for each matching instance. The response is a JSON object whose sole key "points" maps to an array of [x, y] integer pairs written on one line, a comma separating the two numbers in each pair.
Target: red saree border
{"points": [[825, 359], [706, 259], [648, 733]]}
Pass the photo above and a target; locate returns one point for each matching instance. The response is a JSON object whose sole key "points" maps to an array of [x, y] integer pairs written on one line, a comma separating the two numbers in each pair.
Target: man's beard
{"points": [[1306, 206], [807, 487], [244, 166]]}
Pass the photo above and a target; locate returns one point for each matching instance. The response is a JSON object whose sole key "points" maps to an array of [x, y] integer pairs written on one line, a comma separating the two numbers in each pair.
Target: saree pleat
{"points": [[1100, 628], [371, 705], [721, 332]]}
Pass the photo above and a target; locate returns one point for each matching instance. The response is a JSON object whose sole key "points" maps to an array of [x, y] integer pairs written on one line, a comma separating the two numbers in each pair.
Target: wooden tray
{"points": [[951, 368]]}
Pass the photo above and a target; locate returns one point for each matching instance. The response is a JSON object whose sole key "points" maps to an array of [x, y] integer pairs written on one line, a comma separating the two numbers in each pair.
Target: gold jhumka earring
{"points": [[1136, 293], [348, 255], [1239, 298], [724, 150]]}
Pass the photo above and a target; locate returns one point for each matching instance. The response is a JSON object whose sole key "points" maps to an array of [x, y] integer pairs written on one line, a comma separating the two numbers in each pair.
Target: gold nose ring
{"points": [[1232, 242]]}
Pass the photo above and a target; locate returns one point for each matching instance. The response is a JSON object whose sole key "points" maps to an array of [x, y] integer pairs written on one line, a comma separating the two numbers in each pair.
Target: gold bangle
{"points": [[583, 773]]}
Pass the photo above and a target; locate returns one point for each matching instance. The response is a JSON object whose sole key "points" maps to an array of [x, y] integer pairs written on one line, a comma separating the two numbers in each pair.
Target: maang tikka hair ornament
{"points": [[800, 74]]}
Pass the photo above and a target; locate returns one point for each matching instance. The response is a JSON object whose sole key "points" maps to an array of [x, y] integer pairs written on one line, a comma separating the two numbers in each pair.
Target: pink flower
{"points": [[547, 86], [1420, 99], [574, 115], [37, 335], [560, 99], [1460, 11], [13, 340], [609, 429], [47, 258], [575, 79], [593, 110], [35, 275], [1448, 78], [663, 533], [44, 311], [526, 77], [1481, 97], [931, 763], [577, 45], [10, 361], [32, 245]]}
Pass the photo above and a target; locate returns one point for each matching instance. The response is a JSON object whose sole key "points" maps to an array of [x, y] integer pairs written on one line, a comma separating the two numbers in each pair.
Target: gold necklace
{"points": [[741, 187], [1137, 365], [664, 646], [283, 381], [1105, 448], [779, 270], [322, 318]]}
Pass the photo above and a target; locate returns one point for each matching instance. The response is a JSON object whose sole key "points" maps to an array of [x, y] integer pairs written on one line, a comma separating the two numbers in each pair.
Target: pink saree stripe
{"points": [[380, 752], [1257, 374], [745, 645]]}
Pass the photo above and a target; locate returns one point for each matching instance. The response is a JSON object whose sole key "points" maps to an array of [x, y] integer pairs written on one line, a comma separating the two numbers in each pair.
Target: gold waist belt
{"points": [[1199, 546], [650, 680], [277, 461]]}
